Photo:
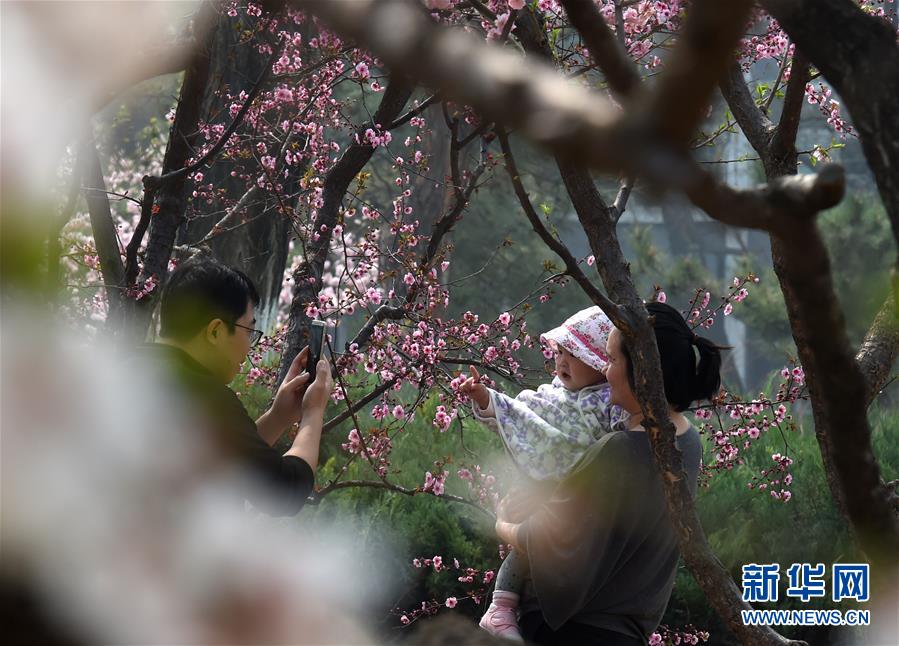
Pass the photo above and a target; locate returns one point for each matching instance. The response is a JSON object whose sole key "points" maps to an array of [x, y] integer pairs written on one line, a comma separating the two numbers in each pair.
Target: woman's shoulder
{"points": [[610, 450]]}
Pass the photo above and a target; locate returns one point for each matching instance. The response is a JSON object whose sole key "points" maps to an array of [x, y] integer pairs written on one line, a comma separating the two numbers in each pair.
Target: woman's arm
{"points": [[508, 533], [506, 528]]}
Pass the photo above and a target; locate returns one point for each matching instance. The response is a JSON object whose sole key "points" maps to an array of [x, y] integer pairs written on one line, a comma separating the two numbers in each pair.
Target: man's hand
{"points": [[477, 391], [286, 407], [316, 397]]}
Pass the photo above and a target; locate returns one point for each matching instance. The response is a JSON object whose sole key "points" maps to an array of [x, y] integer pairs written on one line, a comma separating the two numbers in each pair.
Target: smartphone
{"points": [[316, 345]]}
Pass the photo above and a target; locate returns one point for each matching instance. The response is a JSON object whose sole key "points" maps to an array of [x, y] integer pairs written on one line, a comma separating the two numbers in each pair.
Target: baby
{"points": [[547, 431]]}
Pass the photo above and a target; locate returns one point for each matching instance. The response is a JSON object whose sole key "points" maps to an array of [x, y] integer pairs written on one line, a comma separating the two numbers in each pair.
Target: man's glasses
{"points": [[255, 334]]}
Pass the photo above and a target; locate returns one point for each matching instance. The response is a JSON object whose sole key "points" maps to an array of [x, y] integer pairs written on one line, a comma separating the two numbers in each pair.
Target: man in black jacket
{"points": [[207, 327]]}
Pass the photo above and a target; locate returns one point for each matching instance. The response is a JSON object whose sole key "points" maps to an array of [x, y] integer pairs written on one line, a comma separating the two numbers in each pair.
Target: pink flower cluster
{"points": [[829, 107], [688, 635], [375, 448], [700, 313], [750, 421], [435, 483], [443, 419], [774, 479], [375, 136], [475, 579]]}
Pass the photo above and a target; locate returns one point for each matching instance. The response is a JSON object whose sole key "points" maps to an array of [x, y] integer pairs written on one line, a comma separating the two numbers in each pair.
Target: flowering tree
{"points": [[288, 154]]}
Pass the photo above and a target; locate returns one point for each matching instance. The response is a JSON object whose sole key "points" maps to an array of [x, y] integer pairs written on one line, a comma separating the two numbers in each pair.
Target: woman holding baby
{"points": [[595, 561]]}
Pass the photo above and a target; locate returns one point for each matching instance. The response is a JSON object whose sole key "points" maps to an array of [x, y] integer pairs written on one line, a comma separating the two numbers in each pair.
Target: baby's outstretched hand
{"points": [[476, 390]]}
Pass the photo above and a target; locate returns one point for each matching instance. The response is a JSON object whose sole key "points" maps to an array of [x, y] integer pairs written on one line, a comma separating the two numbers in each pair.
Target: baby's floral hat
{"points": [[584, 335]]}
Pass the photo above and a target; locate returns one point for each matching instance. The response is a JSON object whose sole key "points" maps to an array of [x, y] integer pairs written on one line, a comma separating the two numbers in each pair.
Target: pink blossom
{"points": [[728, 309], [451, 602], [362, 70], [442, 420], [505, 318], [591, 260], [661, 297], [444, 265], [409, 279], [498, 26], [516, 4]]}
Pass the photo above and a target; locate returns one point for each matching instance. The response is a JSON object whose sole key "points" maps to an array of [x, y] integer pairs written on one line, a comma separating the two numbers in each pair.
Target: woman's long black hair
{"points": [[685, 381]]}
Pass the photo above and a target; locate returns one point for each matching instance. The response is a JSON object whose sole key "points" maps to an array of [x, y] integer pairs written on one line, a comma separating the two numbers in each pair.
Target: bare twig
{"points": [[389, 486]]}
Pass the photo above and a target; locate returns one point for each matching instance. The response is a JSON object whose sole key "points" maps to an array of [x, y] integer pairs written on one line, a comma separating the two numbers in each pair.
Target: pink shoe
{"points": [[500, 621]]}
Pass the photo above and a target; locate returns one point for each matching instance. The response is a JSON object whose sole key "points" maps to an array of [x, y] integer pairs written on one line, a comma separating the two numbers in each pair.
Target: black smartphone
{"points": [[316, 345]]}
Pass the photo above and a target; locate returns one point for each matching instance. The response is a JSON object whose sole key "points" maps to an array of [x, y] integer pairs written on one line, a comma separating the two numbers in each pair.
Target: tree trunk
{"points": [[260, 248], [857, 53], [166, 199], [307, 279]]}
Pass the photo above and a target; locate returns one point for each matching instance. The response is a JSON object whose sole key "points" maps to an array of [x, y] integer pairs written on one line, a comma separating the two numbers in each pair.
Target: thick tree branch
{"points": [[784, 141], [565, 116], [606, 50], [878, 352], [103, 228], [534, 99], [772, 207], [858, 54], [620, 203], [164, 56], [169, 194], [752, 121], [704, 50], [146, 213]]}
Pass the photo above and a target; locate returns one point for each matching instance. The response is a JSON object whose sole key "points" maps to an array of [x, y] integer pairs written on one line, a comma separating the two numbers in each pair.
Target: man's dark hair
{"points": [[684, 381], [201, 290]]}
